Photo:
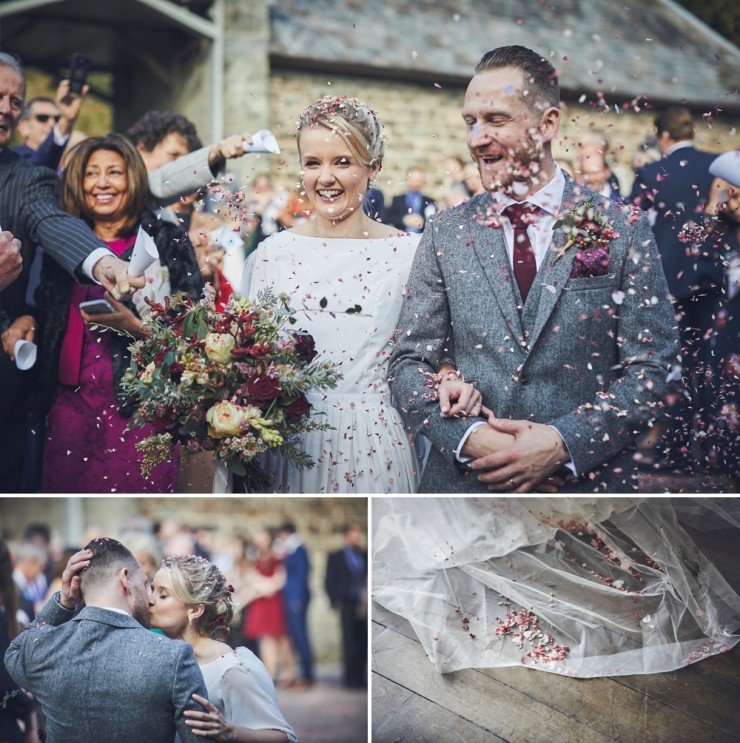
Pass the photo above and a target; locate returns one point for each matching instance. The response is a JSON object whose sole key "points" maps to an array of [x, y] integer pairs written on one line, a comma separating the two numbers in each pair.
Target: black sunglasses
{"points": [[43, 118]]}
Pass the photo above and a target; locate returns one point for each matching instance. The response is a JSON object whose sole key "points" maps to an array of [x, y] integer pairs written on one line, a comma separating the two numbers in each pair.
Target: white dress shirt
{"points": [[549, 199]]}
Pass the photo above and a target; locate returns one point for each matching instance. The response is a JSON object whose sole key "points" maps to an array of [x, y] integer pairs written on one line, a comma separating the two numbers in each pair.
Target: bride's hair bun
{"points": [[356, 122], [197, 581]]}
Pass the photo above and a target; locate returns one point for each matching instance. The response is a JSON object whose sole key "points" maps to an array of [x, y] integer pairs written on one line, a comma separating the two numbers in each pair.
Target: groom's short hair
{"points": [[108, 557], [677, 122], [543, 89]]}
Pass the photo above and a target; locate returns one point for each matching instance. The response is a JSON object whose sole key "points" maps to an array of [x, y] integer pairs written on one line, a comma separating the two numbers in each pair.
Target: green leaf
{"points": [[323, 302], [354, 310], [202, 328], [237, 467]]}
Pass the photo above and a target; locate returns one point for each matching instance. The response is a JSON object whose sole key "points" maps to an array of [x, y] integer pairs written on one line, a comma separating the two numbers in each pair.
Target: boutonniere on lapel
{"points": [[588, 231]]}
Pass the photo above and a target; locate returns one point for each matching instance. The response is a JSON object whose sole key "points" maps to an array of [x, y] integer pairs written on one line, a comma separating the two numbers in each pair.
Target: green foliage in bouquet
{"points": [[234, 382]]}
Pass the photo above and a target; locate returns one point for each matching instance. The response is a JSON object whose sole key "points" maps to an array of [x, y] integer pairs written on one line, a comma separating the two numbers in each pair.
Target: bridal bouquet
{"points": [[233, 382]]}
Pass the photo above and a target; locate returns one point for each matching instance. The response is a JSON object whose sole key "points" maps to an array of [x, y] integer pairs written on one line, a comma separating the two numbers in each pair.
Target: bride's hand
{"points": [[458, 398], [210, 723]]}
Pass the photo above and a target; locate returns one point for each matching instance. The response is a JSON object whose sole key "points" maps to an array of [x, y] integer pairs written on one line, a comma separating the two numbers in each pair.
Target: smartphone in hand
{"points": [[97, 307], [79, 69]]}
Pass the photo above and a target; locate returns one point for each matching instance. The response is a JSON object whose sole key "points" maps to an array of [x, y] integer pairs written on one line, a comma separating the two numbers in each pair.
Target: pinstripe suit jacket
{"points": [[587, 355], [100, 676], [29, 209]]}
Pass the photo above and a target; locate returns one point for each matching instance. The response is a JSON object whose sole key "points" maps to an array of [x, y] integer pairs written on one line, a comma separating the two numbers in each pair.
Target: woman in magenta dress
{"points": [[265, 620], [88, 448]]}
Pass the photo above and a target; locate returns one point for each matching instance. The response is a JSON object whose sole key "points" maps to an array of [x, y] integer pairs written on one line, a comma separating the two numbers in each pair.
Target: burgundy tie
{"points": [[525, 266]]}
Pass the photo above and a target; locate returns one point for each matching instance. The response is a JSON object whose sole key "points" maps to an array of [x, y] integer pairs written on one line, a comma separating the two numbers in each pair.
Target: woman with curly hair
{"points": [[191, 600]]}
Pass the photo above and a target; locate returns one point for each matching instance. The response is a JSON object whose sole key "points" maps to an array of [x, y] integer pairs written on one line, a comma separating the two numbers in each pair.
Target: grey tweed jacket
{"points": [[100, 677], [588, 355]]}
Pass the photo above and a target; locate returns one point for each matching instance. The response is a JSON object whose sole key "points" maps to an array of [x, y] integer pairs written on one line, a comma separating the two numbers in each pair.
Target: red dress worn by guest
{"points": [[266, 616]]}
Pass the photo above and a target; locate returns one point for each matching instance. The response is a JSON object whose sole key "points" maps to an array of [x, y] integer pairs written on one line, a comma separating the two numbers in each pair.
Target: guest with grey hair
{"points": [[30, 560]]}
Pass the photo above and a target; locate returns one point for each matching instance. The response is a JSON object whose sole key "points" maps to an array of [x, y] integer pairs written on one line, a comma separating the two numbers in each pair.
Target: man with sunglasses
{"points": [[46, 124]]}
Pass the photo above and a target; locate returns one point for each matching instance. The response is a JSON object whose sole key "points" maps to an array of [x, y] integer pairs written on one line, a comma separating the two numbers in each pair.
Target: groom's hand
{"points": [[70, 594], [537, 452]]}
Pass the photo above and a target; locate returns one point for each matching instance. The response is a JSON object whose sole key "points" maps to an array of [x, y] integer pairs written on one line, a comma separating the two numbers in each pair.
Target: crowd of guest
{"points": [[270, 571], [66, 420]]}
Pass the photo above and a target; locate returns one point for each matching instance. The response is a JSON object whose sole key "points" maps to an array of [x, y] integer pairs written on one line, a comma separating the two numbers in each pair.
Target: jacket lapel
{"points": [[491, 251], [552, 277]]}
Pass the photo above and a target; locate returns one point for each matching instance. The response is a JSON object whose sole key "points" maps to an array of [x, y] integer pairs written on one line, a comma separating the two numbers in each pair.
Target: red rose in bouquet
{"points": [[298, 408], [260, 390]]}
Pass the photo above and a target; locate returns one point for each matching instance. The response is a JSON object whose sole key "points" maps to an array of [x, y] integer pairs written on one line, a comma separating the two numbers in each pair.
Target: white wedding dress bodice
{"points": [[347, 294], [239, 685]]}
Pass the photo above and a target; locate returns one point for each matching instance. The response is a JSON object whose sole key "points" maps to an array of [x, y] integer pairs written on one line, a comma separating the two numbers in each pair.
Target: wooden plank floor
{"points": [[413, 702]]}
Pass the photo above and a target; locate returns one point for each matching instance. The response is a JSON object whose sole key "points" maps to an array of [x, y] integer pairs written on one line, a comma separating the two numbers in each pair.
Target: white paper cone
{"points": [[226, 238], [263, 141], [143, 255], [25, 354]]}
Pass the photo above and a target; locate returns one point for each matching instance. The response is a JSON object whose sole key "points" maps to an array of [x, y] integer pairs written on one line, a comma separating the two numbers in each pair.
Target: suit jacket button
{"points": [[524, 378]]}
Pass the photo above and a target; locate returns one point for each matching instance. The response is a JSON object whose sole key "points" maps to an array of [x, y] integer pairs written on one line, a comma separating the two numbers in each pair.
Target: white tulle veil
{"points": [[576, 586]]}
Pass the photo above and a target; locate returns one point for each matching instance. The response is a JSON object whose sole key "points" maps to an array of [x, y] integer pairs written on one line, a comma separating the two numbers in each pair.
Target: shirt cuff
{"points": [[60, 139], [569, 464], [459, 456], [58, 602], [89, 263]]}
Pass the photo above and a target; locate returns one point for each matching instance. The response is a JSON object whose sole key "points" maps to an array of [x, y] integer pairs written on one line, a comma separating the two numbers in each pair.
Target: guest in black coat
{"points": [[410, 211], [346, 585], [720, 391], [674, 191]]}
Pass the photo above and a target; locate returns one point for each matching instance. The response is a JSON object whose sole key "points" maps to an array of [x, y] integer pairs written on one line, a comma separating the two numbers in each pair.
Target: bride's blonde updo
{"points": [[197, 581], [355, 122]]}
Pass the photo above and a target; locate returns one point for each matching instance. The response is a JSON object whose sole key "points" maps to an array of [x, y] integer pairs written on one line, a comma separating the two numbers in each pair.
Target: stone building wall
{"points": [[318, 521], [423, 125]]}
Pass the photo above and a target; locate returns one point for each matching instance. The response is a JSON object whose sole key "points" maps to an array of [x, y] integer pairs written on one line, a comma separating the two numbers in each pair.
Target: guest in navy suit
{"points": [[674, 190], [45, 126], [410, 210], [296, 595], [346, 585]]}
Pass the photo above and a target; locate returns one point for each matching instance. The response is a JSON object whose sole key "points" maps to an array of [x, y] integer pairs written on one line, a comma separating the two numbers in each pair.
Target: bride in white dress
{"points": [[191, 600], [345, 274]]}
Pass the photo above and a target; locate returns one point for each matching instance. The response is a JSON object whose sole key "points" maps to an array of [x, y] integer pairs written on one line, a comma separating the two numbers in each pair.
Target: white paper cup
{"points": [[25, 354]]}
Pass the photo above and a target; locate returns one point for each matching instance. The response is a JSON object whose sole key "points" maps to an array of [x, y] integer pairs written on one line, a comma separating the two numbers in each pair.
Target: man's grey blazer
{"points": [[589, 355], [181, 177], [100, 677]]}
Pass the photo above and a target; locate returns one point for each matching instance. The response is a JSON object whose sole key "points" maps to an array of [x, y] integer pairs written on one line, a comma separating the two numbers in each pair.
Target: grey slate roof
{"points": [[622, 48]]}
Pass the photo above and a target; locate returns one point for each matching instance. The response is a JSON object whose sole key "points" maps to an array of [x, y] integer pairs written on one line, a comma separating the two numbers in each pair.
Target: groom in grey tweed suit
{"points": [[99, 675], [570, 343]]}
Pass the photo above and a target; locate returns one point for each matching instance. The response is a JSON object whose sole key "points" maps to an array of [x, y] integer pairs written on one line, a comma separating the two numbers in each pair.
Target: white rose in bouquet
{"points": [[218, 347], [226, 419], [147, 376]]}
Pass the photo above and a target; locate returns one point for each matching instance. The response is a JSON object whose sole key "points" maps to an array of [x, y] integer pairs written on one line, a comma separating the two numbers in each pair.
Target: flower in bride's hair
{"points": [[218, 347]]}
